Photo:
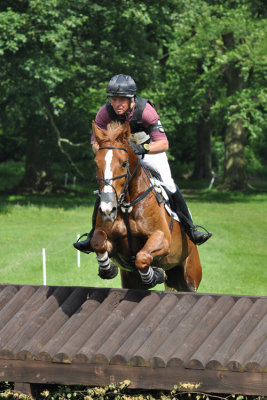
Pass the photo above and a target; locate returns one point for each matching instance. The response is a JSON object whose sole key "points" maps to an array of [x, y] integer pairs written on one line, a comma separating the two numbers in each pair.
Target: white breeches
{"points": [[159, 162]]}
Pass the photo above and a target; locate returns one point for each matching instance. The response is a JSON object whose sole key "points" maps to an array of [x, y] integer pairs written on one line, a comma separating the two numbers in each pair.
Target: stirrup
{"points": [[85, 234], [78, 245], [205, 236], [200, 226]]}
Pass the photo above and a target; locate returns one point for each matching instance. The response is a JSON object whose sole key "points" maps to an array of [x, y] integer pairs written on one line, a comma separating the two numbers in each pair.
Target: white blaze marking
{"points": [[108, 172], [107, 207]]}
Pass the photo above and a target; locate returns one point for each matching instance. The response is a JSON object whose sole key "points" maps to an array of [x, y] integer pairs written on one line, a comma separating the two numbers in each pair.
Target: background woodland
{"points": [[202, 62]]}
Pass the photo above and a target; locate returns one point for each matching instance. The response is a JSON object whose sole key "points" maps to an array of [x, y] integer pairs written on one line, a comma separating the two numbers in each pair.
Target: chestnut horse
{"points": [[133, 228]]}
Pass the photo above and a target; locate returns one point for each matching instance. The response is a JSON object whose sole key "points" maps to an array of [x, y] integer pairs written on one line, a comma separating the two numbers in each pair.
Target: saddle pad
{"points": [[158, 185]]}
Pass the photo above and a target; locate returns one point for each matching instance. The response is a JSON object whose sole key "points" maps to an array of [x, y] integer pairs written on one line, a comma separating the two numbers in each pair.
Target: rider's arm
{"points": [[159, 142], [159, 146]]}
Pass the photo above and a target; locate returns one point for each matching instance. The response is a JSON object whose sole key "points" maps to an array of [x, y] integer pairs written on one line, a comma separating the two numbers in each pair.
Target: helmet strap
{"points": [[132, 102]]}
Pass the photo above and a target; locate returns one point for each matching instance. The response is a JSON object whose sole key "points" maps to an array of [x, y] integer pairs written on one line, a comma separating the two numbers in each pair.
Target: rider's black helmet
{"points": [[121, 86]]}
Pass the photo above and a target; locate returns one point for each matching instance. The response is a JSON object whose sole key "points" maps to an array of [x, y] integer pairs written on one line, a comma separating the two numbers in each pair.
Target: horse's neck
{"points": [[139, 182]]}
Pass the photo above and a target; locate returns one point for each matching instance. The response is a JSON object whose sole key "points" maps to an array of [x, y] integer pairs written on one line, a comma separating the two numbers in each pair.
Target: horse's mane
{"points": [[110, 135]]}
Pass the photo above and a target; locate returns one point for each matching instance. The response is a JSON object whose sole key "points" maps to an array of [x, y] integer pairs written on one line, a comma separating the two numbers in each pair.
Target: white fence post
{"points": [[78, 254], [44, 268], [212, 181]]}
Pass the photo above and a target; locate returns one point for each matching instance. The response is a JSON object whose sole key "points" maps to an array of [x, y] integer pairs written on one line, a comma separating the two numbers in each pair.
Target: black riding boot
{"points": [[85, 245], [181, 209]]}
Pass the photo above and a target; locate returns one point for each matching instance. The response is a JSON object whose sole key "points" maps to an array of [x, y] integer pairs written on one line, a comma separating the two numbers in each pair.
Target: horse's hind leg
{"points": [[176, 281], [185, 277], [193, 269]]}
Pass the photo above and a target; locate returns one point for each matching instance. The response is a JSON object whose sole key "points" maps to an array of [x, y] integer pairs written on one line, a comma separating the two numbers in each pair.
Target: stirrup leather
{"points": [[85, 234], [200, 226]]}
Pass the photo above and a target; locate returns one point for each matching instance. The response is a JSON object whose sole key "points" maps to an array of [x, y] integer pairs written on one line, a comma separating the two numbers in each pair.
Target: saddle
{"points": [[166, 194]]}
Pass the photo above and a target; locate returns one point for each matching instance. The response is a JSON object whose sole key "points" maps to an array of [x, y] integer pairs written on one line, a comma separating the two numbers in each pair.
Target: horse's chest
{"points": [[121, 239], [121, 230]]}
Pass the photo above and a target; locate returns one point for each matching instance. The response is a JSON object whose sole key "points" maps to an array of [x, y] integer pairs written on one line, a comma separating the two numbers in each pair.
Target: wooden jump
{"points": [[95, 336]]}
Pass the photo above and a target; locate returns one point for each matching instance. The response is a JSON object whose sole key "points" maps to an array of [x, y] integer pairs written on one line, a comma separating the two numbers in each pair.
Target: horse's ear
{"points": [[127, 130], [98, 134]]}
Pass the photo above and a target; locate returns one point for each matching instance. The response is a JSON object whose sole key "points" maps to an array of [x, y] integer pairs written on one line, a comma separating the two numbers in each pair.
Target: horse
{"points": [[134, 233]]}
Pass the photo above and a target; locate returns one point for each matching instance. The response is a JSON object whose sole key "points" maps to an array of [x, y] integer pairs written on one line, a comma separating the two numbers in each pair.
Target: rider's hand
{"points": [[140, 149], [95, 147]]}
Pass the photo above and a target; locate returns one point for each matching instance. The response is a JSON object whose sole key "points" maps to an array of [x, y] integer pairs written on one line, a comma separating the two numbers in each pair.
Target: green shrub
{"points": [[11, 173], [113, 391]]}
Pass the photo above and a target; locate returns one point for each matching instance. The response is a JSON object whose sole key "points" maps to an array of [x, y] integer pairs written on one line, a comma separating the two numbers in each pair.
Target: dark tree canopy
{"points": [[203, 63]]}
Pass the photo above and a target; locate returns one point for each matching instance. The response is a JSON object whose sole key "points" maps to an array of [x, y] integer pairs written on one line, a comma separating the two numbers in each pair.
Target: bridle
{"points": [[108, 182]]}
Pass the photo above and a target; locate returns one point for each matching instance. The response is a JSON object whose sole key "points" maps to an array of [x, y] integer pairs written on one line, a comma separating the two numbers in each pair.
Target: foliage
{"points": [[120, 391], [199, 60], [11, 173], [56, 58]]}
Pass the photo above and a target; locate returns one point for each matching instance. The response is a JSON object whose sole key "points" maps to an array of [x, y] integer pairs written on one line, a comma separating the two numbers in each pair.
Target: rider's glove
{"points": [[140, 149]]}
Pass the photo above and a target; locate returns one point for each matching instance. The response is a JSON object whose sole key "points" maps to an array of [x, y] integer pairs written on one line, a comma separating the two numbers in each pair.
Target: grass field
{"points": [[234, 260]]}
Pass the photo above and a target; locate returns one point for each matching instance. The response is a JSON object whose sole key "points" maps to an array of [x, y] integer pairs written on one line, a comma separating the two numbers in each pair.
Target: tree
{"points": [[216, 75], [33, 48], [56, 59]]}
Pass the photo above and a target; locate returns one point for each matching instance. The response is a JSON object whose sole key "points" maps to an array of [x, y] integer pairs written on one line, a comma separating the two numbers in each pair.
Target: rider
{"points": [[149, 142]]}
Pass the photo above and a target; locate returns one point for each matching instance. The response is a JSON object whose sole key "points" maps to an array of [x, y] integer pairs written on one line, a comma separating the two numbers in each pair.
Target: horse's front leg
{"points": [[100, 244], [156, 245]]}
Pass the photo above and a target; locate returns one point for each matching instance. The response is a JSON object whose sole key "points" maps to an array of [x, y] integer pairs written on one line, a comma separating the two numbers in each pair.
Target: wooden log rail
{"points": [[97, 336]]}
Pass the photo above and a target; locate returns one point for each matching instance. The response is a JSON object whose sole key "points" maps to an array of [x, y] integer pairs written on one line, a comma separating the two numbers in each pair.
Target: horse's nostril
{"points": [[108, 213]]}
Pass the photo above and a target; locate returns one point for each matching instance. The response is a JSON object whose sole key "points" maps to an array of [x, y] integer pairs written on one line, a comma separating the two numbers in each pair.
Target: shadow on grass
{"points": [[84, 197], [80, 198], [218, 196], [199, 191]]}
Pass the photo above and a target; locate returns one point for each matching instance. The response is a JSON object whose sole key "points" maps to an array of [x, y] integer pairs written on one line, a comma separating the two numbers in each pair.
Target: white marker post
{"points": [[44, 268], [212, 181], [78, 255]]}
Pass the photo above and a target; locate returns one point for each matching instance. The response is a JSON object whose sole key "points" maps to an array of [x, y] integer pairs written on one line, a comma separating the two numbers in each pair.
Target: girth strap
{"points": [[130, 240]]}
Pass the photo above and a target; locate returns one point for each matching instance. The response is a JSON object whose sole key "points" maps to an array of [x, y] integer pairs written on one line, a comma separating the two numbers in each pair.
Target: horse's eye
{"points": [[124, 164]]}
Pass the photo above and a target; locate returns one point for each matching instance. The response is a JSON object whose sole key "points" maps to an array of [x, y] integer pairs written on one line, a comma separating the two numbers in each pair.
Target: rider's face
{"points": [[120, 104]]}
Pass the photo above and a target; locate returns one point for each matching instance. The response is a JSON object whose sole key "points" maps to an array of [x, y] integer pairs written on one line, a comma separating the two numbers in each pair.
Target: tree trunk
{"points": [[234, 168], [235, 135], [202, 169], [37, 176]]}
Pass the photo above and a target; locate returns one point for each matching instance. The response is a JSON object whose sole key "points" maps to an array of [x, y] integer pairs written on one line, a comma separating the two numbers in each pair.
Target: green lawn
{"points": [[234, 260]]}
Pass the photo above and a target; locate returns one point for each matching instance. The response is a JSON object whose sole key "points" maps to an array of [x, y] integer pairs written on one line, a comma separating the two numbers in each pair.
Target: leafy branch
{"points": [[61, 140]]}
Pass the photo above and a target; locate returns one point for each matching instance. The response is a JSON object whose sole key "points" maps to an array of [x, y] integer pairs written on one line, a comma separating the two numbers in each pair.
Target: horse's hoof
{"points": [[109, 273], [158, 278]]}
